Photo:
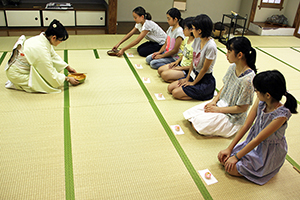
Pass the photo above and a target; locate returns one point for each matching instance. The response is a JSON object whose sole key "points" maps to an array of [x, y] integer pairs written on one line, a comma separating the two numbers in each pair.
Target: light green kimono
{"points": [[36, 67]]}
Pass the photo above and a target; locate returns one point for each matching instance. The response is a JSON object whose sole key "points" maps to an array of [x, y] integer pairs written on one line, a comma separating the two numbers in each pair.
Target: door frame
{"points": [[297, 23]]}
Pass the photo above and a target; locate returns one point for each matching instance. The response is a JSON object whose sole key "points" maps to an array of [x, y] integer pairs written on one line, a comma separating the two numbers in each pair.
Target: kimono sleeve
{"points": [[57, 61], [44, 64]]}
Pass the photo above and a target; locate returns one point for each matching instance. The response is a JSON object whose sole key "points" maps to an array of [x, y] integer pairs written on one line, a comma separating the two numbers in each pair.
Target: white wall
{"points": [[291, 10], [245, 9], [158, 8], [213, 8]]}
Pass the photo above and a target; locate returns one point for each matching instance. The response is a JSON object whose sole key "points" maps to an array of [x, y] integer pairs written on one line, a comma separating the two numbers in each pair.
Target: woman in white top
{"points": [[34, 65], [148, 29]]}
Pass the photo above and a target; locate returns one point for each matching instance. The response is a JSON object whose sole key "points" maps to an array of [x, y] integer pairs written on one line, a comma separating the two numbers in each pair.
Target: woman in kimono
{"points": [[34, 65]]}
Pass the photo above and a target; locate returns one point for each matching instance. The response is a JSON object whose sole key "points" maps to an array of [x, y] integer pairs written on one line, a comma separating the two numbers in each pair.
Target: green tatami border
{"points": [[295, 49], [172, 137], [96, 54], [2, 57], [221, 50], [69, 179], [292, 162]]}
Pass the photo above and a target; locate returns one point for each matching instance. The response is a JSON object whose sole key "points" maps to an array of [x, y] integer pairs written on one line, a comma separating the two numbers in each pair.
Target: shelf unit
{"points": [[232, 25]]}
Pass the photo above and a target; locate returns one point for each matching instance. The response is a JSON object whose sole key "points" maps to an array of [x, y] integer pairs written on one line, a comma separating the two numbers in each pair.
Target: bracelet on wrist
{"points": [[236, 156], [68, 79]]}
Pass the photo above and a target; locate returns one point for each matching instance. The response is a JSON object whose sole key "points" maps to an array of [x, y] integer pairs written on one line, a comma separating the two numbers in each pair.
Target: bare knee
{"points": [[160, 71], [177, 94], [234, 172], [165, 76], [172, 86]]}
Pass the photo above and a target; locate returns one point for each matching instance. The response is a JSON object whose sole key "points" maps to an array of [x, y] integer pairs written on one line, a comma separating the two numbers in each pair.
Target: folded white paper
{"points": [[210, 180]]}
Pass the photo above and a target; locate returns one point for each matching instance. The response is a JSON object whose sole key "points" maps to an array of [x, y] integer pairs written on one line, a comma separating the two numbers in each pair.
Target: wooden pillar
{"points": [[253, 10], [112, 16], [297, 23]]}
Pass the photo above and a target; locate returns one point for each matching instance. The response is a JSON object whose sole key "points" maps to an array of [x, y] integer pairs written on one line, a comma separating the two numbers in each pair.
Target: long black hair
{"points": [[140, 11], [175, 13], [188, 23], [273, 82], [57, 29], [204, 23], [242, 44]]}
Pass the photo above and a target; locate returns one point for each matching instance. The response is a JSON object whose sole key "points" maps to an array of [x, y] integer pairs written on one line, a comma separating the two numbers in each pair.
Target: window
{"points": [[271, 4]]}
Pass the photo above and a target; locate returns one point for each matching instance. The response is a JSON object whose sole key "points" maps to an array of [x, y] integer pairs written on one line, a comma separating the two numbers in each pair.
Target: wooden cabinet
{"points": [[2, 18], [90, 18], [23, 18], [67, 18], [83, 18]]}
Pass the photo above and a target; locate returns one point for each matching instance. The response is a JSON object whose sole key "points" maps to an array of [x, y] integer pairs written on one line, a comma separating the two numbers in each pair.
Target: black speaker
{"points": [[12, 2]]}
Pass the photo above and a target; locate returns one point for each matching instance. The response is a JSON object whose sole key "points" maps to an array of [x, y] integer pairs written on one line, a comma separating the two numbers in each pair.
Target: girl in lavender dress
{"points": [[262, 154]]}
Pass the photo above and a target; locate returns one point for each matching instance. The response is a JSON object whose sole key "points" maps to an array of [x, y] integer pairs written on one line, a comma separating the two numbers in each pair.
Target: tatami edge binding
{"points": [[96, 54], [2, 57], [295, 49], [69, 178]]}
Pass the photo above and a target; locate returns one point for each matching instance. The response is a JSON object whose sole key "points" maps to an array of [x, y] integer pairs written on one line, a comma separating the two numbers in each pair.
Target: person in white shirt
{"points": [[148, 29], [34, 65]]}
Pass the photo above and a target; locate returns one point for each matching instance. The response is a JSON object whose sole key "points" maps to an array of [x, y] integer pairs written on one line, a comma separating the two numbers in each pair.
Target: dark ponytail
{"points": [[175, 13], [273, 82], [57, 29], [140, 11], [290, 103], [242, 44]]}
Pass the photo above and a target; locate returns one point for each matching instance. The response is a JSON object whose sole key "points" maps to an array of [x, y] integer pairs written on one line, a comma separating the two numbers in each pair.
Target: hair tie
{"points": [[54, 25], [250, 52]]}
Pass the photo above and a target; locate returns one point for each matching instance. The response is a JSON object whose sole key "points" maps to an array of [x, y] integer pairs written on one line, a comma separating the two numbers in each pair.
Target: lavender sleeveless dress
{"points": [[265, 160]]}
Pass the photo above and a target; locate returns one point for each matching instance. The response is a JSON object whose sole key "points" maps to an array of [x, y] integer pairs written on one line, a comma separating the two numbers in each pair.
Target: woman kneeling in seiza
{"points": [[34, 65]]}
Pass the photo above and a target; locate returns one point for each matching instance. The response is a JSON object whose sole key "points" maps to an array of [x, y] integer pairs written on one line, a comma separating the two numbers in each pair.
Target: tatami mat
{"points": [[31, 143], [109, 80], [287, 55], [121, 152], [274, 41], [120, 149], [119, 146], [32, 153]]}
